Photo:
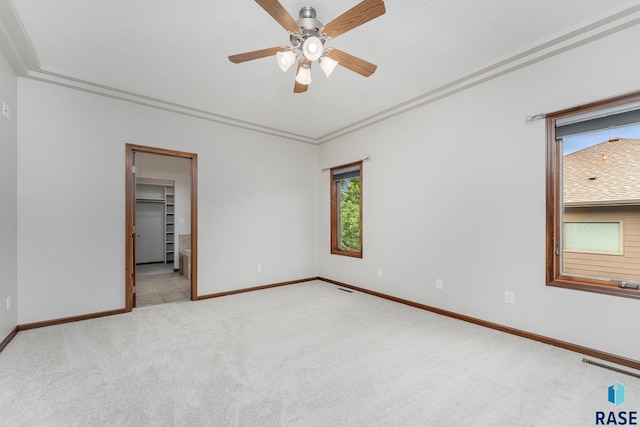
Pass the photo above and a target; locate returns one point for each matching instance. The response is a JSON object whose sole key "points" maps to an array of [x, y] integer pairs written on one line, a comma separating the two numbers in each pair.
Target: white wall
{"points": [[8, 199], [456, 190], [257, 200], [174, 169]]}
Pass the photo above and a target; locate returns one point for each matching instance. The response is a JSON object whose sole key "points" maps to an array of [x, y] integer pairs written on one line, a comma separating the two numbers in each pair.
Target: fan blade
{"points": [[297, 87], [353, 63], [256, 54], [280, 14], [359, 14]]}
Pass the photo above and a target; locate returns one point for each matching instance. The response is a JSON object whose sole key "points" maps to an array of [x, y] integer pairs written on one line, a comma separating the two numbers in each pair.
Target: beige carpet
{"points": [[299, 355]]}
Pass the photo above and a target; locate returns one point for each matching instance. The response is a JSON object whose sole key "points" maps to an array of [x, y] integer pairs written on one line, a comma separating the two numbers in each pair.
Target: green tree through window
{"points": [[350, 214], [346, 210]]}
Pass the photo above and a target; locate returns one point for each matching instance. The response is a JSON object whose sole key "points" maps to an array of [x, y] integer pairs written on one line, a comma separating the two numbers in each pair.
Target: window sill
{"points": [[346, 253], [613, 290]]}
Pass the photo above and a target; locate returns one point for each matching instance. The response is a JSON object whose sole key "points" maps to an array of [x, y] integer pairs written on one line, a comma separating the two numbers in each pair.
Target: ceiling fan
{"points": [[308, 36]]}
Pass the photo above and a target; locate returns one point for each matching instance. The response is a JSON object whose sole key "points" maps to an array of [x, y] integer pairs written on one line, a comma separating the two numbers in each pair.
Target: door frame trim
{"points": [[129, 216]]}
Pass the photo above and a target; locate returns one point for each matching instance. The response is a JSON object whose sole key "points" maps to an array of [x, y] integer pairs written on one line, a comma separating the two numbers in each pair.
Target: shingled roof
{"points": [[603, 174]]}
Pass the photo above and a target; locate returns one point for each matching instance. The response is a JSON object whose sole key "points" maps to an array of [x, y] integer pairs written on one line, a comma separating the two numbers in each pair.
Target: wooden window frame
{"points": [[554, 223], [335, 222]]}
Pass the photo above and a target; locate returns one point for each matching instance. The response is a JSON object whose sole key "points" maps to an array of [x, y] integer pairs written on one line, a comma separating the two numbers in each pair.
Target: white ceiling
{"points": [[174, 53]]}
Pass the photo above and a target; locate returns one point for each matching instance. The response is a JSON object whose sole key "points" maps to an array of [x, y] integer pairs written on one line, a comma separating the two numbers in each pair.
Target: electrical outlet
{"points": [[8, 303], [509, 297], [439, 284], [259, 268], [379, 272]]}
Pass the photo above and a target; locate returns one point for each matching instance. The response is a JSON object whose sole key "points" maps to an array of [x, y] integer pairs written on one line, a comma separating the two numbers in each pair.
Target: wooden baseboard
{"points": [[53, 322], [255, 288], [8, 339], [635, 364]]}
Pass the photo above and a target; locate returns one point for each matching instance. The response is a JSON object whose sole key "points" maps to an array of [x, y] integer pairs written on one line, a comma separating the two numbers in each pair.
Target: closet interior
{"points": [[155, 221]]}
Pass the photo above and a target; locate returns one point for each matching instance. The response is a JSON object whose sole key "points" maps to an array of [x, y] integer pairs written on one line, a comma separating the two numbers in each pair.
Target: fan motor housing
{"points": [[308, 21], [308, 12]]}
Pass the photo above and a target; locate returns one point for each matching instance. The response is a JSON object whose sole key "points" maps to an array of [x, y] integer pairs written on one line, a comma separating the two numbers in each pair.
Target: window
{"points": [[346, 210], [593, 237], [593, 197]]}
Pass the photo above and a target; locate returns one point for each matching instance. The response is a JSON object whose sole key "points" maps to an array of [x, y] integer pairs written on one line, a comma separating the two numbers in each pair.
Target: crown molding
{"points": [[14, 42], [59, 79], [555, 45], [16, 45]]}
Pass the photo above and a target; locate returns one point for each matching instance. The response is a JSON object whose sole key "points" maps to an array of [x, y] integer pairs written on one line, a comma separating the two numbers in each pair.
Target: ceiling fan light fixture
{"points": [[307, 37], [285, 59], [304, 75], [328, 65], [312, 48]]}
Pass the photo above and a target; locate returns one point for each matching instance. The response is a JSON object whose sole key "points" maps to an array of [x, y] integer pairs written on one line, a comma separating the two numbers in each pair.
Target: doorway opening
{"points": [[161, 224]]}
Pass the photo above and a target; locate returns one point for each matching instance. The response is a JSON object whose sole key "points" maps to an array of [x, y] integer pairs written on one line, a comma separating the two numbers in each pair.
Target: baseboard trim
{"points": [[255, 288], [631, 363], [60, 321], [8, 339], [53, 322]]}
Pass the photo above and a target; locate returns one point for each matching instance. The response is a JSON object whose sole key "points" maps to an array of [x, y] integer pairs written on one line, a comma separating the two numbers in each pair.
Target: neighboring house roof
{"points": [[603, 174]]}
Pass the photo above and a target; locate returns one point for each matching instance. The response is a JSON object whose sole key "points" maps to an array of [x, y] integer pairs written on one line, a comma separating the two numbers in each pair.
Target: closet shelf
{"points": [[147, 200]]}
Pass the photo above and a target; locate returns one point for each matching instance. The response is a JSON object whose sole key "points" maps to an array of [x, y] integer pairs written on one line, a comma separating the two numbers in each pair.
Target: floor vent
{"points": [[346, 290], [611, 368]]}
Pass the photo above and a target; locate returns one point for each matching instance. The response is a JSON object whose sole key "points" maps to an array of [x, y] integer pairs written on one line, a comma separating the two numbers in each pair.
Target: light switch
{"points": [[6, 111]]}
